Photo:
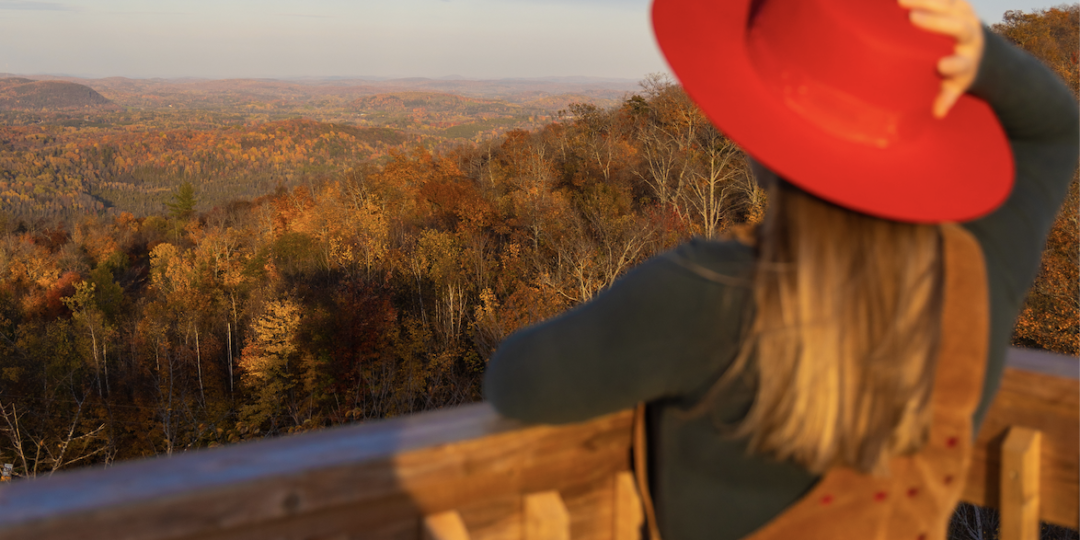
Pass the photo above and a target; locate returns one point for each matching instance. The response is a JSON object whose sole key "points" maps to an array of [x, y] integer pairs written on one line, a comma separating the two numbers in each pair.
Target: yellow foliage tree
{"points": [[269, 363]]}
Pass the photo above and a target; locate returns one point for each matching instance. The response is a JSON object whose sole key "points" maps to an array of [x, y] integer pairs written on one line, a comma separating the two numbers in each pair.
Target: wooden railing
{"points": [[468, 473]]}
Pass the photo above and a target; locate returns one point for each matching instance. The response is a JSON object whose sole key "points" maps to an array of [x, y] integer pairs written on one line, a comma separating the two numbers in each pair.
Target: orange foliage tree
{"points": [[1051, 316]]}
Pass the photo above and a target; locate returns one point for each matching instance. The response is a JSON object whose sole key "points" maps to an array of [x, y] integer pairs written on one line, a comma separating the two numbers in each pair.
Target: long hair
{"points": [[844, 334]]}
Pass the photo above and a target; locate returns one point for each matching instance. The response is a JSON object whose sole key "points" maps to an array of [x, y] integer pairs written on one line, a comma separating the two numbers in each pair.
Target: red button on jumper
{"points": [[912, 492], [948, 479], [951, 442], [826, 499], [880, 496]]}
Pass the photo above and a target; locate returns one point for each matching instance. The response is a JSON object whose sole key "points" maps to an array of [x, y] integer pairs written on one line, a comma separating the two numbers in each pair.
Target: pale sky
{"points": [[477, 39]]}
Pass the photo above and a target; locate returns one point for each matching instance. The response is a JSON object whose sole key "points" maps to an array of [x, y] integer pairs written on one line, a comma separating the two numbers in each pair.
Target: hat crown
{"points": [[857, 69]]}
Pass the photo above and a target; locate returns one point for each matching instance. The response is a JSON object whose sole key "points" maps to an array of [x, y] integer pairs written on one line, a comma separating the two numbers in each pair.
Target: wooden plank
{"points": [[444, 526], [1020, 485], [497, 518], [628, 512], [1047, 404], [546, 517], [246, 468], [388, 519], [414, 466]]}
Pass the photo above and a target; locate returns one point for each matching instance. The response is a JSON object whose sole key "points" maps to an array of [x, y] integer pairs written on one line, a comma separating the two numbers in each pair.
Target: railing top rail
{"points": [[205, 470], [1046, 363]]}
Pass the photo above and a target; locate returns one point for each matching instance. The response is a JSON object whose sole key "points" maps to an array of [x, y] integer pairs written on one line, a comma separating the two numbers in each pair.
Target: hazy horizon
{"points": [[333, 78], [387, 39]]}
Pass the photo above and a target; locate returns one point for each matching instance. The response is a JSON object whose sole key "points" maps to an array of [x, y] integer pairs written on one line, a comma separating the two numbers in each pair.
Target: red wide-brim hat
{"points": [[835, 96]]}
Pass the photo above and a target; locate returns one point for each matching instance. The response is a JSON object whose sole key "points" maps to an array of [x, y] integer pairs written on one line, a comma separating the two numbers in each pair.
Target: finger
{"points": [[948, 25], [945, 100], [954, 65], [936, 6]]}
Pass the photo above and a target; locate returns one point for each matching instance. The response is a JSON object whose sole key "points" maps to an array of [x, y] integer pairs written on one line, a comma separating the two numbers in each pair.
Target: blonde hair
{"points": [[844, 334]]}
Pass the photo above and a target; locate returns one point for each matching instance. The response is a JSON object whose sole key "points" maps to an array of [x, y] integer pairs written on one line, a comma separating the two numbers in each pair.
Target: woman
{"points": [[769, 366]]}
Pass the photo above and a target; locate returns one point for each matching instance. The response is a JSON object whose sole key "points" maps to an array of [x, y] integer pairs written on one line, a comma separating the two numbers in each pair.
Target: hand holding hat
{"points": [[956, 19]]}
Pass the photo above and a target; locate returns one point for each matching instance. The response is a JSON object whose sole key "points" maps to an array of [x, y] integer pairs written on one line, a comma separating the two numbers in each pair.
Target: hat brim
{"points": [[959, 168]]}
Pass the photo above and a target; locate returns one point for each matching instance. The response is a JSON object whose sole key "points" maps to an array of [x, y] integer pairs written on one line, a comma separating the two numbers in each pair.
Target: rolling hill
{"points": [[27, 94]]}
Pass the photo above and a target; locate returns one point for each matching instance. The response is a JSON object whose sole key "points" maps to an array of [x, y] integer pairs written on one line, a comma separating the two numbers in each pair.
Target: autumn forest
{"points": [[192, 265]]}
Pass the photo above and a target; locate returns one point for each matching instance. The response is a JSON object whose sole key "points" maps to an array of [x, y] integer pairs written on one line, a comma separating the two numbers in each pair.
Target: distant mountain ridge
{"points": [[128, 92], [17, 93], [432, 102]]}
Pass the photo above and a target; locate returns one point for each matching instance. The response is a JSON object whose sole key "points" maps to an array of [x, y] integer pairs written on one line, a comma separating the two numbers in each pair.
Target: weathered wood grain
{"points": [[361, 478]]}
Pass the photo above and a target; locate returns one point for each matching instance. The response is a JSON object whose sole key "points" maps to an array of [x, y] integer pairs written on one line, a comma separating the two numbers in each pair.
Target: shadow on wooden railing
{"points": [[468, 473]]}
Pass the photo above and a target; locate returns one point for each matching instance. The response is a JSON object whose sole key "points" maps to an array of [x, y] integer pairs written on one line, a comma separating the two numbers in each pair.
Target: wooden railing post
{"points": [[628, 513], [546, 517], [1020, 484], [1041, 392], [444, 526]]}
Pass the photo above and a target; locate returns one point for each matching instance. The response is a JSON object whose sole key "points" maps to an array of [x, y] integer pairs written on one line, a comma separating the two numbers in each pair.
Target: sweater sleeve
{"points": [[628, 344], [1040, 118]]}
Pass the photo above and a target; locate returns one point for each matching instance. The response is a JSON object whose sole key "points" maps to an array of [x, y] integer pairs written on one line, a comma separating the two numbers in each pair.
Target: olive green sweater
{"points": [[666, 331]]}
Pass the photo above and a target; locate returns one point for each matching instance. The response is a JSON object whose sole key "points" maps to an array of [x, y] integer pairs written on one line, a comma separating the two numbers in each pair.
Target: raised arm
{"points": [[1041, 119]]}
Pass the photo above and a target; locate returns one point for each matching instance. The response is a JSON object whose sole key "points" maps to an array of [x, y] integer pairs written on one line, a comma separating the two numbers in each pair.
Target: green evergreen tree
{"points": [[183, 201]]}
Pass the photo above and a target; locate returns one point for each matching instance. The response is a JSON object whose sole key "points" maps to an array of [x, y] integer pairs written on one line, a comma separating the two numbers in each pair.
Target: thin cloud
{"points": [[35, 6]]}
